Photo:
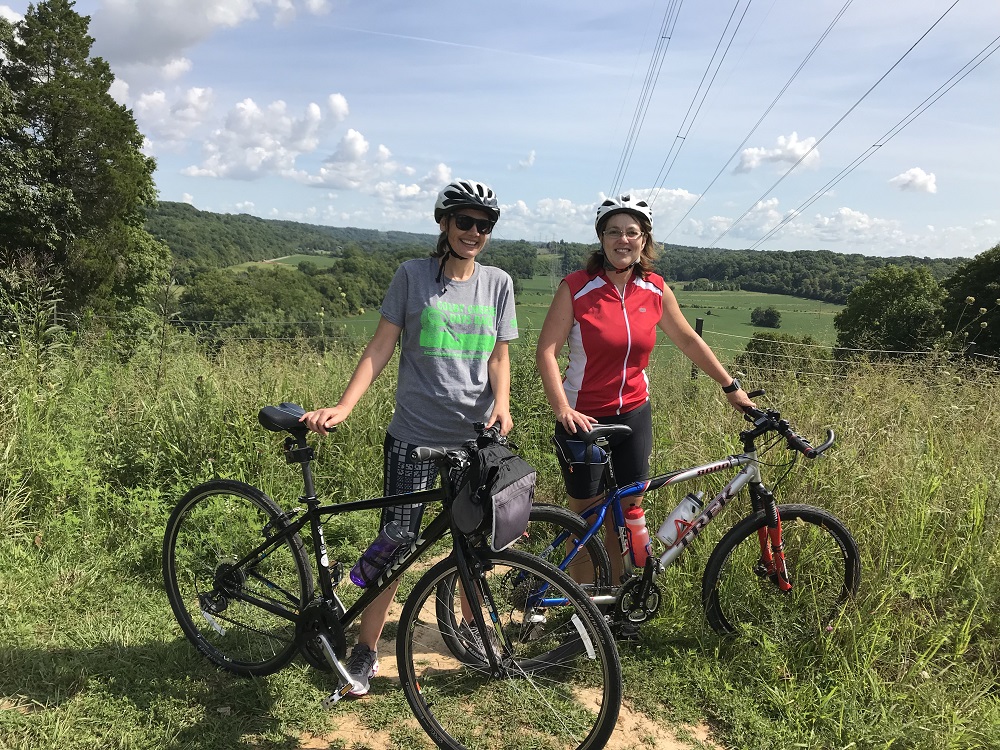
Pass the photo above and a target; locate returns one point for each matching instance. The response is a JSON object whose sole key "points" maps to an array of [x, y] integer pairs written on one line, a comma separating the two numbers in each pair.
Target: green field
{"points": [[726, 314], [320, 261]]}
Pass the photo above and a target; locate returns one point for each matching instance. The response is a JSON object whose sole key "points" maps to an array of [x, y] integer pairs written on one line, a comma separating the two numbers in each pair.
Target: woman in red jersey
{"points": [[608, 313]]}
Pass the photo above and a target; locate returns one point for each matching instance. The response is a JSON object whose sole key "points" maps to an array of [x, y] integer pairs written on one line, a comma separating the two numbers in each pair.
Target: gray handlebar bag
{"points": [[495, 495]]}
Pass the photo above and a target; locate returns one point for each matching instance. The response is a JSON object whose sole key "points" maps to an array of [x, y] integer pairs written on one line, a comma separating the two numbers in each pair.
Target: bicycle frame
{"points": [[748, 475], [772, 559], [316, 515]]}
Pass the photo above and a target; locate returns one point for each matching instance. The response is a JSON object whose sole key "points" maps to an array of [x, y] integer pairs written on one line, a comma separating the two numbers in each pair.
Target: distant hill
{"points": [[200, 240]]}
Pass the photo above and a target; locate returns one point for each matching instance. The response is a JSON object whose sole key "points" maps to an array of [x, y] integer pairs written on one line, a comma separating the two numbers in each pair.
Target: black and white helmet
{"points": [[468, 194], [622, 203]]}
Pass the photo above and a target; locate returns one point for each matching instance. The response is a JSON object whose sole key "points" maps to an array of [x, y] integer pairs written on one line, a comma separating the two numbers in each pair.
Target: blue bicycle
{"points": [[784, 570]]}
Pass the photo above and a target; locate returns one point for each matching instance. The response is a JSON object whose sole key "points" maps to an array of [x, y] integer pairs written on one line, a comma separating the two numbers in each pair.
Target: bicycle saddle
{"points": [[602, 432], [283, 418]]}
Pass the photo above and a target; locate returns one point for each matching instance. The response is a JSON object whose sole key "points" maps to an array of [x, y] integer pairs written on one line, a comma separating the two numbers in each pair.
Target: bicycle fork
{"points": [[772, 548]]}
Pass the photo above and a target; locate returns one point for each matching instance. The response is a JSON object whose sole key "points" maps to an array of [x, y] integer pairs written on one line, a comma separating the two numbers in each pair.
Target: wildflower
{"points": [[982, 310], [983, 324], [970, 300]]}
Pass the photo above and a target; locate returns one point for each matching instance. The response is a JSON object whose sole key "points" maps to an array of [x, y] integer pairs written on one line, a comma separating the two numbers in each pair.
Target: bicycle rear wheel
{"points": [[823, 567], [560, 686], [213, 527], [549, 528]]}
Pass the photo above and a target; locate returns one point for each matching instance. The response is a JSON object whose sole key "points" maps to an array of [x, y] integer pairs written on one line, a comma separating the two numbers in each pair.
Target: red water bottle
{"points": [[638, 535]]}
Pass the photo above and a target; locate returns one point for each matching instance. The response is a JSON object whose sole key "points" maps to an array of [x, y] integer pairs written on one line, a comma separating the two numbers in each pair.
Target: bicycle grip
{"points": [[424, 453]]}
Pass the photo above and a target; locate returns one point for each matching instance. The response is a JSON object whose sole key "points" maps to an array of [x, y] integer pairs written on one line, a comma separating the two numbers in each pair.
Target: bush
{"points": [[765, 317]]}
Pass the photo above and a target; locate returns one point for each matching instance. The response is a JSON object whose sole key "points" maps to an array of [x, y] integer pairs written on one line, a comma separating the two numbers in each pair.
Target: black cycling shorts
{"points": [[629, 456]]}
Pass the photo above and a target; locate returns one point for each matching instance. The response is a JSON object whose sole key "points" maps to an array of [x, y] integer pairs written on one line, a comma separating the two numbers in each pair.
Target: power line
{"points": [[767, 111], [649, 84], [941, 90], [834, 126], [699, 97]]}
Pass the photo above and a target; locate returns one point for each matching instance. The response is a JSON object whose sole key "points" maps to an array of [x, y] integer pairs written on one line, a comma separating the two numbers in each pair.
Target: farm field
{"points": [[726, 314], [320, 261]]}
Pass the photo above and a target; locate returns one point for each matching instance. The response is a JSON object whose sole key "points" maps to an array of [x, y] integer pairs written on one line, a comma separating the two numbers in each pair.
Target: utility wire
{"points": [[833, 127], [767, 111], [649, 84], [943, 89], [699, 98]]}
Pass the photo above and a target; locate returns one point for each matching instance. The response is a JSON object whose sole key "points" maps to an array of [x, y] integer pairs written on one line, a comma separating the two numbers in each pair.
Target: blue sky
{"points": [[355, 113]]}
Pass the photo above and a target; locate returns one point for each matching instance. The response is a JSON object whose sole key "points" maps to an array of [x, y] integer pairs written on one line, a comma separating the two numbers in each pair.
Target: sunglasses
{"points": [[465, 223]]}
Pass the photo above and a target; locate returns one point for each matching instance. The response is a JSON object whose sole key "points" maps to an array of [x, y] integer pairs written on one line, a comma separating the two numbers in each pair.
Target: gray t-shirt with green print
{"points": [[449, 331]]}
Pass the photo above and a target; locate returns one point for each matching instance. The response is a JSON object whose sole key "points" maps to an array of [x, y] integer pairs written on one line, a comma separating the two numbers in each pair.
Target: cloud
{"points": [[157, 32], [173, 122], [254, 142], [915, 179], [526, 163], [9, 15], [789, 150]]}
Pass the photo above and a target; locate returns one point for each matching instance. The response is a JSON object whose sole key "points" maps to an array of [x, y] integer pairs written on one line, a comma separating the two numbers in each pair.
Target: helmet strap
{"points": [[609, 266], [444, 259]]}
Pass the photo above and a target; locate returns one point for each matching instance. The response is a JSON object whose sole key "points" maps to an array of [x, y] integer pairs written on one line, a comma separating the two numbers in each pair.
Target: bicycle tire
{"points": [[823, 564], [562, 679], [546, 524], [214, 525]]}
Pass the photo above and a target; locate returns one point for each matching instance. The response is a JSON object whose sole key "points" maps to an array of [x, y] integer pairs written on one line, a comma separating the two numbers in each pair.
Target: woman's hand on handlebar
{"points": [[322, 420], [501, 419], [740, 401]]}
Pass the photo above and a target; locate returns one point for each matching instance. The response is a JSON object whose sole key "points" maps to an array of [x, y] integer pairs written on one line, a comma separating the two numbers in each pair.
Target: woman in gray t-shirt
{"points": [[452, 319]]}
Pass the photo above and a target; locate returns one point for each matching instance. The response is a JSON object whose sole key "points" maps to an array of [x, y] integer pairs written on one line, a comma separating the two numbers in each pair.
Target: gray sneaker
{"points": [[362, 666], [474, 643]]}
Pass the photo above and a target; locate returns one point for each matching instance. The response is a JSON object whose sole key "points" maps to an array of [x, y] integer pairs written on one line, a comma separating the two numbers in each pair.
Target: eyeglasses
{"points": [[617, 234], [465, 223]]}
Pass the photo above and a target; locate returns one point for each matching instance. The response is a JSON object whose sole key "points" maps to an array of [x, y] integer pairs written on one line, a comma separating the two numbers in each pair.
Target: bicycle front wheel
{"points": [[213, 527], [550, 528], [823, 567], [559, 683]]}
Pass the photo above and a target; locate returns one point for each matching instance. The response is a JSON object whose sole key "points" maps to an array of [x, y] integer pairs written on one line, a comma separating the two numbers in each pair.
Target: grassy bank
{"points": [[94, 451]]}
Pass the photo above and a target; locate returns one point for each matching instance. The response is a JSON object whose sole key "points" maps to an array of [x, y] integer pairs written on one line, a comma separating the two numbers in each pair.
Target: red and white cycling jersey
{"points": [[610, 342]]}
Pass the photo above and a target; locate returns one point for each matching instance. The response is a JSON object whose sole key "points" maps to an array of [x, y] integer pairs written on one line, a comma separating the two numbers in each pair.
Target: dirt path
{"points": [[634, 731]]}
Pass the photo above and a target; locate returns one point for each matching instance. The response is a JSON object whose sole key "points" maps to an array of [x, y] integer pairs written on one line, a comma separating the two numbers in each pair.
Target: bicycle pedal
{"points": [[333, 698]]}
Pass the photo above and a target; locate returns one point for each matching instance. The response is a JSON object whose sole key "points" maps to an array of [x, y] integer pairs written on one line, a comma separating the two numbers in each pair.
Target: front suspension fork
{"points": [[772, 548]]}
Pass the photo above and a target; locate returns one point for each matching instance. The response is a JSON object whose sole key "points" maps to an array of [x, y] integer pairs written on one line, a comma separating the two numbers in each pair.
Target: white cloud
{"points": [[119, 91], [157, 32], [915, 179], [254, 141], [9, 15], [789, 150], [527, 163], [175, 68], [187, 198], [172, 122]]}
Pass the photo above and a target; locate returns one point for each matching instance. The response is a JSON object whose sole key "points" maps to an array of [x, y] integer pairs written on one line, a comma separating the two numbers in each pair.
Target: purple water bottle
{"points": [[377, 556]]}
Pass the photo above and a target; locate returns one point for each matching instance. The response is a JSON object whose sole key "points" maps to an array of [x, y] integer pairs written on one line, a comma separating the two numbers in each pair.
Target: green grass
{"points": [[94, 451], [320, 261], [726, 315]]}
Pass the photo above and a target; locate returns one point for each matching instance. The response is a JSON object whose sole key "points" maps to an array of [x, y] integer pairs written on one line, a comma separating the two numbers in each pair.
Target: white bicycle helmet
{"points": [[614, 206], [468, 194]]}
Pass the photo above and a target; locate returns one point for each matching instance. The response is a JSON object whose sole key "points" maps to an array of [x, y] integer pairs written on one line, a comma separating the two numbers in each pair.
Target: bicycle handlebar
{"points": [[456, 457], [769, 420]]}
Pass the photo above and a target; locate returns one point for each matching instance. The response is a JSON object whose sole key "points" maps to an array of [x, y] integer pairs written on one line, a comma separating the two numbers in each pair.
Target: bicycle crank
{"points": [[638, 600]]}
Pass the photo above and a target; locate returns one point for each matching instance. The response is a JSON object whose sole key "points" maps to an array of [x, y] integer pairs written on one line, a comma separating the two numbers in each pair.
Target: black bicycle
{"points": [[240, 583]]}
